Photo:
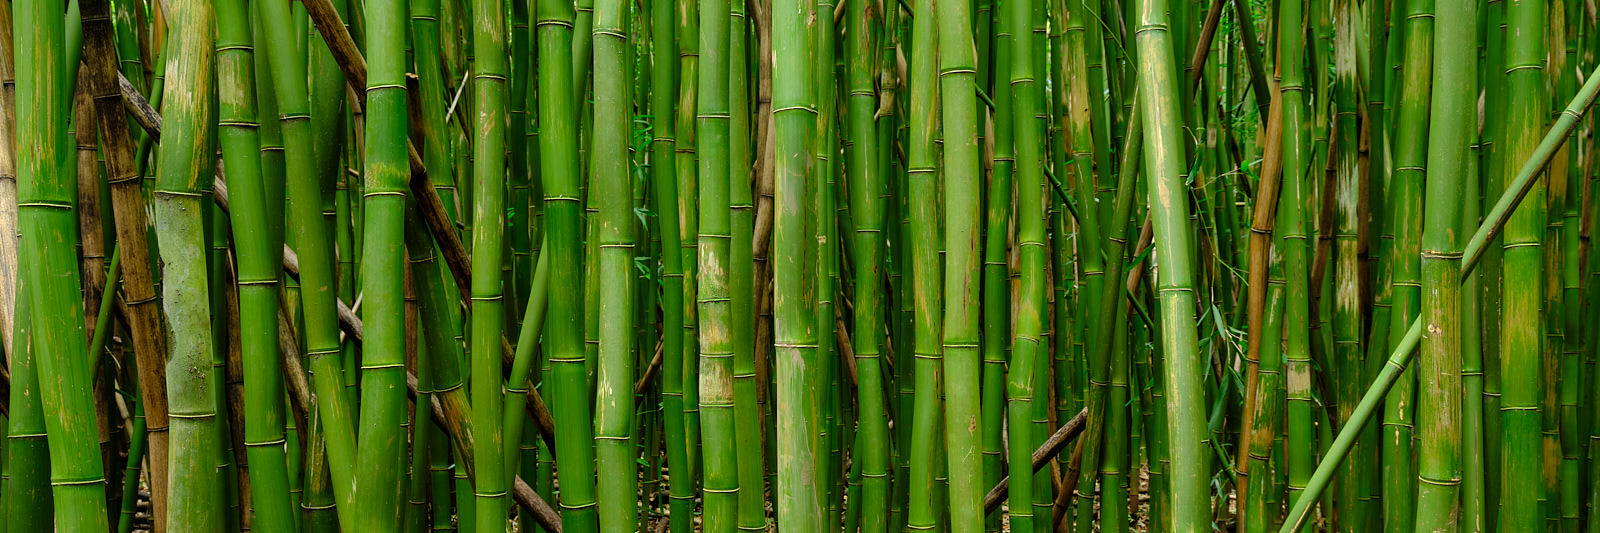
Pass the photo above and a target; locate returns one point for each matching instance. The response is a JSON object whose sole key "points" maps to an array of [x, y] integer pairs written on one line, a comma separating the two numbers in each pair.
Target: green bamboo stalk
{"points": [[922, 512], [712, 300], [179, 214], [27, 491], [130, 477], [258, 264], [1031, 195], [1190, 456], [1406, 203], [380, 469], [867, 206], [1291, 216], [1347, 352], [488, 233], [799, 454], [1521, 457], [310, 237], [962, 359], [688, 72], [664, 189], [996, 334], [522, 366], [520, 225], [827, 219], [1439, 470], [1091, 140], [741, 284], [612, 185], [564, 335], [1473, 481], [433, 99]]}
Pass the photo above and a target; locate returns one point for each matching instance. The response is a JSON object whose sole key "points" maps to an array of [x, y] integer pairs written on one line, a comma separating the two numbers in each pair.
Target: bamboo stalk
{"points": [[180, 212], [379, 470], [559, 171], [612, 186], [799, 482], [257, 272], [1454, 102]]}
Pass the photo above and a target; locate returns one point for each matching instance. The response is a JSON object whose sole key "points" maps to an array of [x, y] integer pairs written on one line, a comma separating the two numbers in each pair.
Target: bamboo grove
{"points": [[799, 265]]}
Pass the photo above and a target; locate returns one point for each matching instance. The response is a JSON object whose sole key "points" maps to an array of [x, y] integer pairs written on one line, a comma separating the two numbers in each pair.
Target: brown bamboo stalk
{"points": [[127, 202]]}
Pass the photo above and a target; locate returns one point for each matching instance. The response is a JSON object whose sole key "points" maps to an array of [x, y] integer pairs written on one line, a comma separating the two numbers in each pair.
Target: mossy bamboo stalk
{"points": [[1521, 327], [179, 213]]}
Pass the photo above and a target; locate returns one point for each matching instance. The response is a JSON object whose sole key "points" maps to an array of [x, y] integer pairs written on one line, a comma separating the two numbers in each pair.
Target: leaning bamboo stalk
{"points": [[518, 386], [1493, 223], [311, 235]]}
